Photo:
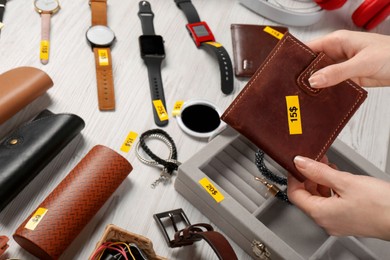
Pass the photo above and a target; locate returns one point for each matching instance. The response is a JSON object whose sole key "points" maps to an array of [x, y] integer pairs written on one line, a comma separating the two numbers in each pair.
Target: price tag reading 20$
{"points": [[212, 190], [293, 115]]}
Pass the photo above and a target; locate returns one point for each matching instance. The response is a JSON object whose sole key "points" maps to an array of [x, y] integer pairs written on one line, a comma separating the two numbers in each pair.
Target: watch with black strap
{"points": [[2, 10], [101, 38], [193, 233], [204, 38], [153, 53]]}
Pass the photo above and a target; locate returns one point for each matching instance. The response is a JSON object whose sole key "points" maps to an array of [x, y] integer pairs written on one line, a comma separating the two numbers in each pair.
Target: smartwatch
{"points": [[204, 38], [153, 53], [46, 8], [101, 38]]}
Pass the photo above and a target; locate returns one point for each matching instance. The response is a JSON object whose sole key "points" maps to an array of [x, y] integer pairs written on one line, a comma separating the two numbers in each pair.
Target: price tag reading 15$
{"points": [[293, 115]]}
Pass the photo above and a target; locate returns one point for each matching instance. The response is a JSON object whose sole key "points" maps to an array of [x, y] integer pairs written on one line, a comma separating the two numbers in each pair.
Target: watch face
{"points": [[200, 31], [151, 45], [46, 5], [100, 35]]}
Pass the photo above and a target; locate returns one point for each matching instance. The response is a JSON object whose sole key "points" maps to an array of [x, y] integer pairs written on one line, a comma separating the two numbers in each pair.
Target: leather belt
{"points": [[194, 233]]}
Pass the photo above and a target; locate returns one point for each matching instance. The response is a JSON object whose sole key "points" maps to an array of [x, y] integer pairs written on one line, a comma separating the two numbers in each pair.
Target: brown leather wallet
{"points": [[19, 87], [50, 229], [251, 46], [280, 113]]}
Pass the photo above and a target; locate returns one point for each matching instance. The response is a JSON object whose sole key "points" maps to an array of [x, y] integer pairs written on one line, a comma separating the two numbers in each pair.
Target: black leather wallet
{"points": [[28, 149]]}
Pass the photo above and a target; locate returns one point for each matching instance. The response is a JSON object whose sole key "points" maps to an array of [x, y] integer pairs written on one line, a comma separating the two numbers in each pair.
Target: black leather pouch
{"points": [[28, 149]]}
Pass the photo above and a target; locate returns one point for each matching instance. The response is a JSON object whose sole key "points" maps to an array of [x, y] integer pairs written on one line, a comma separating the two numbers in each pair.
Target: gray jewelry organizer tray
{"points": [[248, 215]]}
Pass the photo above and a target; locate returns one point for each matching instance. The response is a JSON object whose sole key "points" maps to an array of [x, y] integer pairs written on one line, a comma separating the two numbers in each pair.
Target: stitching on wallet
{"points": [[343, 120], [265, 65], [310, 52], [314, 91]]}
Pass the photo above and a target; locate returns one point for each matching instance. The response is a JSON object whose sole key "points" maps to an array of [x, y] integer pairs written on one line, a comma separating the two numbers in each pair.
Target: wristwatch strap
{"points": [[2, 10], [103, 60], [156, 87], [216, 240], [225, 65], [99, 12], [224, 61], [45, 38], [104, 79], [146, 15], [153, 64], [189, 10]]}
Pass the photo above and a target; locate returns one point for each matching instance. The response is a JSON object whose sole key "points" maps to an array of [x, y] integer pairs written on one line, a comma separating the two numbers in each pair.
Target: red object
{"points": [[3, 244], [368, 15], [371, 13], [200, 32]]}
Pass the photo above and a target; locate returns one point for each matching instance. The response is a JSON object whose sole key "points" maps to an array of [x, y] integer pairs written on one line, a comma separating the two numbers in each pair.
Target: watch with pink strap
{"points": [[46, 8]]}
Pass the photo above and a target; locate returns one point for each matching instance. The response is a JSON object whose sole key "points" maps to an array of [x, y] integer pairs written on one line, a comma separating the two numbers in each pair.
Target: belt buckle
{"points": [[3, 244], [176, 217]]}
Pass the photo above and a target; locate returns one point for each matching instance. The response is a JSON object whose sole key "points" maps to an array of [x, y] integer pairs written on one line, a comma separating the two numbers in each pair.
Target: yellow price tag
{"points": [[36, 218], [215, 44], [273, 32], [294, 115], [160, 109], [177, 107], [211, 189], [1, 25], [103, 58], [44, 51], [128, 143]]}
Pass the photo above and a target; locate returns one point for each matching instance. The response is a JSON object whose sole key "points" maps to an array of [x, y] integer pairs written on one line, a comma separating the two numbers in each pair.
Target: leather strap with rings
{"points": [[204, 231], [193, 233]]}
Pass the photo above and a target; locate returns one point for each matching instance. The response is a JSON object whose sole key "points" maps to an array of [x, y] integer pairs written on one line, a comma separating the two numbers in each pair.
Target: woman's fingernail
{"points": [[317, 80], [300, 161]]}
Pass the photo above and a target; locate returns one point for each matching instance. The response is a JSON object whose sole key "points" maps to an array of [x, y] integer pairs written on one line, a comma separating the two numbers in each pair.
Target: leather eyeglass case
{"points": [[28, 149], [19, 87], [57, 221], [280, 113]]}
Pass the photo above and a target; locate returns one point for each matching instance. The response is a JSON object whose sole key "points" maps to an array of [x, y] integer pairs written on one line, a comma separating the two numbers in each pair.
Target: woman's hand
{"points": [[361, 56], [340, 202]]}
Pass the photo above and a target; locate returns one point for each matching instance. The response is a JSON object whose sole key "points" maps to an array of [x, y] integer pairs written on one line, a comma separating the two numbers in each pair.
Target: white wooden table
{"points": [[187, 73]]}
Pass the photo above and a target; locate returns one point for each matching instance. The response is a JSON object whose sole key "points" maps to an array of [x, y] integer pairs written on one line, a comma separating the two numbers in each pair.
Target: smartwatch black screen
{"points": [[151, 45], [200, 118]]}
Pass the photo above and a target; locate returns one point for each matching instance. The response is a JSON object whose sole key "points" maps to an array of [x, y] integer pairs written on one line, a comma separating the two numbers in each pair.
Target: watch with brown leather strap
{"points": [[101, 38], [193, 233]]}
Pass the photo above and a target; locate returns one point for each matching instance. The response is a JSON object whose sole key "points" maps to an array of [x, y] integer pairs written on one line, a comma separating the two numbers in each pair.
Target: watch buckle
{"points": [[175, 216]]}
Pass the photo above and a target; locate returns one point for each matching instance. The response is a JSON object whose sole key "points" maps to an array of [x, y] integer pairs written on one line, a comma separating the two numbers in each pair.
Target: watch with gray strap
{"points": [[153, 53], [204, 38]]}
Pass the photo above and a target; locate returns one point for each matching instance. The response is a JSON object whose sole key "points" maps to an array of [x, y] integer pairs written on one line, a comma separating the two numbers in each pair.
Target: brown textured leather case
{"points": [[260, 112], [73, 203], [251, 45], [19, 87]]}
